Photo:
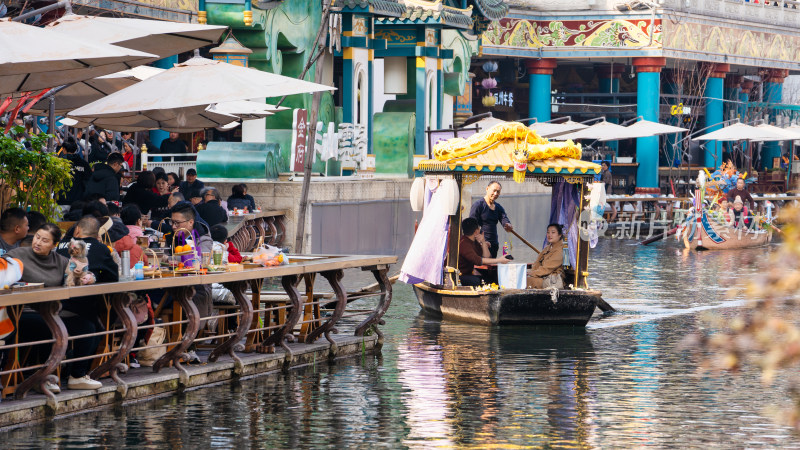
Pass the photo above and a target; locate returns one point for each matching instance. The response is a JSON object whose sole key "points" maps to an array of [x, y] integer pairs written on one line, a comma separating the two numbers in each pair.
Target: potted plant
{"points": [[32, 177]]}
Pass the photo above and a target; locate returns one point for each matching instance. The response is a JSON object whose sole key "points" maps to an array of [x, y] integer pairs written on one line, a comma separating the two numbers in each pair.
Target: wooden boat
{"points": [[509, 306], [709, 234], [502, 153]]}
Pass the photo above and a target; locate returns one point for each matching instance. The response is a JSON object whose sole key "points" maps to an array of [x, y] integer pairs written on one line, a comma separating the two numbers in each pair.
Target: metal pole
{"points": [[62, 4], [51, 125]]}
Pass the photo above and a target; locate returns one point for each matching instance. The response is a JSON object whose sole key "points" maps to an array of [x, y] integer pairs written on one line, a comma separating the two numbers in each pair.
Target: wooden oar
{"points": [[524, 241], [659, 237]]}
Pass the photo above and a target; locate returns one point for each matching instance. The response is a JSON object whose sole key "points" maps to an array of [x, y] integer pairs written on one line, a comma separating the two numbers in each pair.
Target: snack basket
{"points": [[196, 256]]}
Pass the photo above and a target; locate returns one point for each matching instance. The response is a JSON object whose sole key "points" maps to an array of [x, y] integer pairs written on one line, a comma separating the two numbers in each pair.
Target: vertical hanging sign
{"points": [[299, 139]]}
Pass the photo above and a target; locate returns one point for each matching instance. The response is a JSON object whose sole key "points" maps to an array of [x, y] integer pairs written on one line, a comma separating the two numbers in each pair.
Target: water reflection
{"points": [[471, 385]]}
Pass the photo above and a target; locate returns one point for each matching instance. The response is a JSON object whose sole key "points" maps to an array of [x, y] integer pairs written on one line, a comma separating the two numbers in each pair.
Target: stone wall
{"points": [[381, 206]]}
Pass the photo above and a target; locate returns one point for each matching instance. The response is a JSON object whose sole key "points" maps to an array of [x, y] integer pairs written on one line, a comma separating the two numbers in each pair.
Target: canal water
{"points": [[625, 381]]}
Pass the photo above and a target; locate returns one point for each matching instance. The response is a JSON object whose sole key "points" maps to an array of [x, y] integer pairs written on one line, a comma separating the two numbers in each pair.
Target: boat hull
{"points": [[711, 235], [509, 307]]}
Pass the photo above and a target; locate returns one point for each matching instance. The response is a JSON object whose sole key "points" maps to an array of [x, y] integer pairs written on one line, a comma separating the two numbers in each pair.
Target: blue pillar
{"points": [[773, 93], [674, 155], [540, 73], [156, 136], [744, 98], [648, 87], [608, 83], [714, 94]]}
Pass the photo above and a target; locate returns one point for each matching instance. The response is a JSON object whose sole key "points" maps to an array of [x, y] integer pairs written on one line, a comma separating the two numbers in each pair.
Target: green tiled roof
{"points": [[443, 15], [492, 9], [390, 8]]}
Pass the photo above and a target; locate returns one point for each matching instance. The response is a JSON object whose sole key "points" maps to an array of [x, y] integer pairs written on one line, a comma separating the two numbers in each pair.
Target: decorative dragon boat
{"points": [[507, 150], [707, 228]]}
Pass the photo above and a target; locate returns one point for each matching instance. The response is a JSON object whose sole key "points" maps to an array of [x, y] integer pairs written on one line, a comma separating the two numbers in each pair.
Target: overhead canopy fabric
{"points": [[152, 36], [606, 131], [549, 130], [655, 128], [740, 132], [196, 82], [182, 121], [34, 58]]}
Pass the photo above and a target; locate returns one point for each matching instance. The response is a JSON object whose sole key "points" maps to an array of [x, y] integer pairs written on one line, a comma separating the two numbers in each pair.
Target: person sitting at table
{"points": [[35, 221], [184, 217], [41, 264], [549, 261], [132, 218], [141, 193], [13, 228], [210, 210], [473, 250], [239, 198], [82, 312]]}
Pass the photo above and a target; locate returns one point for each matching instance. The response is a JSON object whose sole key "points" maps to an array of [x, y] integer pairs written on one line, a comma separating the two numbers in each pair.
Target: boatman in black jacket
{"points": [[488, 213]]}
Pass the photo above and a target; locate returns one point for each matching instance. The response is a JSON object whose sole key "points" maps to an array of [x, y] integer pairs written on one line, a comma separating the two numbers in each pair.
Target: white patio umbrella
{"points": [[246, 110], [152, 36], [34, 58], [87, 91], [547, 129], [196, 82], [183, 121], [789, 134], [605, 131], [655, 128], [740, 132]]}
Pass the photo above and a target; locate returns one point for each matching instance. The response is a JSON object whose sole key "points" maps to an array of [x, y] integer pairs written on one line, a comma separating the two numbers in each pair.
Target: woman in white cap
{"points": [[741, 215]]}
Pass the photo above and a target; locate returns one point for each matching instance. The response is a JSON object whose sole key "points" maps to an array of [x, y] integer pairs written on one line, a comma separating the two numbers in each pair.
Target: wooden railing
{"points": [[263, 320]]}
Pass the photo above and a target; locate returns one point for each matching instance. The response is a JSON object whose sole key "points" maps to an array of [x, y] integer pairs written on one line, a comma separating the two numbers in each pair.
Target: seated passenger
{"points": [[741, 215], [723, 208], [132, 218], [239, 198], [550, 258], [210, 210], [473, 250]]}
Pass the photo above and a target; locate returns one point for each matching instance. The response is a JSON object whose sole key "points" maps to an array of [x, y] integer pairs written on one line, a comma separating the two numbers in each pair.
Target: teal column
{"points": [[439, 93], [157, 136], [673, 154], [773, 93], [714, 94], [540, 72], [744, 98], [648, 87], [608, 83], [421, 105]]}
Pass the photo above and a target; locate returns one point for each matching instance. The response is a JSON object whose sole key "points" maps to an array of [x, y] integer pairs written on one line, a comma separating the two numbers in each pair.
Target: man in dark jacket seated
{"points": [[210, 210], [105, 178], [80, 314], [473, 250]]}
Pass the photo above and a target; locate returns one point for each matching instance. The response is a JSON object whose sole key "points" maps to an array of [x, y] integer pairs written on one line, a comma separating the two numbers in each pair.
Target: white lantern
{"points": [[417, 194], [452, 199], [395, 75]]}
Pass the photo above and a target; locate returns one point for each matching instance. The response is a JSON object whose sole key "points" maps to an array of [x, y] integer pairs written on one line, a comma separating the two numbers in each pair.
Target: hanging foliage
{"points": [[35, 177]]}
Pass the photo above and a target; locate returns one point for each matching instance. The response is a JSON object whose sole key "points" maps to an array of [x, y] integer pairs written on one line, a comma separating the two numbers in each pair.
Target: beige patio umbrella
{"points": [[605, 131], [183, 120], [655, 128], [741, 132], [246, 110], [87, 91], [485, 124], [196, 82], [33, 58], [547, 129], [152, 36]]}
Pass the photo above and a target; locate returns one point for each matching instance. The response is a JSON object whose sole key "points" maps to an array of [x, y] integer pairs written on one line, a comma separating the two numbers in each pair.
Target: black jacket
{"points": [[144, 198], [101, 264], [212, 213], [103, 181], [81, 171], [99, 151], [190, 190], [240, 201]]}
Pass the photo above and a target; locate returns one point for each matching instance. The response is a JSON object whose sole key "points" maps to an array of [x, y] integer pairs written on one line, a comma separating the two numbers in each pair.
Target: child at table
{"points": [[220, 236]]}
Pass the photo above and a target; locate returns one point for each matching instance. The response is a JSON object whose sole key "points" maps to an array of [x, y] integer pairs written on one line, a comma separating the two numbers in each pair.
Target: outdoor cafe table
{"points": [[47, 303]]}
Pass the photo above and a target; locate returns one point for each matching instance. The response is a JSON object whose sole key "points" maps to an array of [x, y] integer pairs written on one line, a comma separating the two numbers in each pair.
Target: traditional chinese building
{"points": [[694, 64]]}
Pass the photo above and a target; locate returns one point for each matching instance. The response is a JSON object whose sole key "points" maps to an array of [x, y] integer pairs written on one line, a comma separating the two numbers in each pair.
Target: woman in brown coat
{"points": [[550, 258]]}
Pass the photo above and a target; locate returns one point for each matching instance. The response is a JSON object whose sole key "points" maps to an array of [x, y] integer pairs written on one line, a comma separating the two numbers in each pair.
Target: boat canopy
{"points": [[509, 147]]}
